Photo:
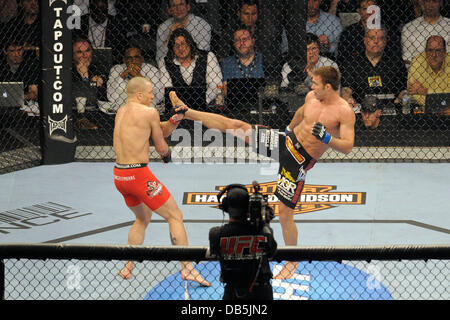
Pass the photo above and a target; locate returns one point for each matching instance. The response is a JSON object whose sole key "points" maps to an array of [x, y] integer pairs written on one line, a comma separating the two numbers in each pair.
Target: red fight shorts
{"points": [[137, 184]]}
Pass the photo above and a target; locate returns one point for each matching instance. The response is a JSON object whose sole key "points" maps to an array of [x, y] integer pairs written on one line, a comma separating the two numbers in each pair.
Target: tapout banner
{"points": [[57, 22]]}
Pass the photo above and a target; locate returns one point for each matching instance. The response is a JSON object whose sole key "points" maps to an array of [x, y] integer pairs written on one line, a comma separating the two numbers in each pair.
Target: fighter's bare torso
{"points": [[331, 113], [132, 133]]}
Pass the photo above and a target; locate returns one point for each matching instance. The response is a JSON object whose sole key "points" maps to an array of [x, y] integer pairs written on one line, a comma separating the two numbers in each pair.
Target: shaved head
{"points": [[137, 84], [140, 90]]}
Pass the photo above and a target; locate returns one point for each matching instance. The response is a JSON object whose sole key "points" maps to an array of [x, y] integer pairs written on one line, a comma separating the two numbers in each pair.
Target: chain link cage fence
{"points": [[251, 60], [83, 272], [19, 83]]}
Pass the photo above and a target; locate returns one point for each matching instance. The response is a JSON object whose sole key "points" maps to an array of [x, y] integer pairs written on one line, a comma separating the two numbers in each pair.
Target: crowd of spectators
{"points": [[397, 48]]}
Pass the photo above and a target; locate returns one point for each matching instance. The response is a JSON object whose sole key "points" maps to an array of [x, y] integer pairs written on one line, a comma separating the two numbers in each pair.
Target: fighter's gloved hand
{"points": [[166, 158], [178, 115], [321, 133], [181, 109], [174, 120]]}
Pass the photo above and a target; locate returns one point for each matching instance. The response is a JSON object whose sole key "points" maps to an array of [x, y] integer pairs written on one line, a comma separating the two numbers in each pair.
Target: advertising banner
{"points": [[59, 141]]}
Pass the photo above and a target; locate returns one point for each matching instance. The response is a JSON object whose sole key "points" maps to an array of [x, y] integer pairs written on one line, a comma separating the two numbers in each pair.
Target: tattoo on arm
{"points": [[173, 239]]}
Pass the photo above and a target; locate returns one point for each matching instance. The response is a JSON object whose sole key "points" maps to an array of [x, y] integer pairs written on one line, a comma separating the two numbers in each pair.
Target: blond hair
{"points": [[135, 85]]}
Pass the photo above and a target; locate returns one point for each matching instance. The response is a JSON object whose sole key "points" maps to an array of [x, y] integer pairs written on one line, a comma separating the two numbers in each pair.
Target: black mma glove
{"points": [[172, 120], [321, 133], [181, 112], [167, 157]]}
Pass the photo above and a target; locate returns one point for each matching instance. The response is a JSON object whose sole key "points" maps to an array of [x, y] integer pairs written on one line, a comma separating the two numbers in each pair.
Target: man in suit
{"points": [[102, 29]]}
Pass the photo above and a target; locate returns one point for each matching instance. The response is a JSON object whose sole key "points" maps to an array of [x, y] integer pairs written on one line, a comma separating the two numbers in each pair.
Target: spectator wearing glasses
{"points": [[186, 66], [246, 15], [277, 27], [313, 61], [246, 62], [416, 32], [373, 72], [133, 66], [243, 72], [430, 71]]}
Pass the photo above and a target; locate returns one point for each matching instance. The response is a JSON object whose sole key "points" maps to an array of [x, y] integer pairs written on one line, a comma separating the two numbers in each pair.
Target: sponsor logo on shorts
{"points": [[154, 189], [294, 152], [288, 187], [313, 197], [129, 178]]}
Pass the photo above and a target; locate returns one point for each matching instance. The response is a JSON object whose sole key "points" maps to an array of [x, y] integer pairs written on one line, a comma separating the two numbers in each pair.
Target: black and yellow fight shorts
{"points": [[294, 161]]}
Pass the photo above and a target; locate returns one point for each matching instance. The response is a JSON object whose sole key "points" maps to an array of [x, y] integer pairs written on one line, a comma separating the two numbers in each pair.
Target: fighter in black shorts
{"points": [[294, 161]]}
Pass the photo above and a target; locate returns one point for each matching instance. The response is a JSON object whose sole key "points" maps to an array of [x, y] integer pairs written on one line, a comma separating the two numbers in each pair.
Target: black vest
{"points": [[195, 93], [199, 76]]}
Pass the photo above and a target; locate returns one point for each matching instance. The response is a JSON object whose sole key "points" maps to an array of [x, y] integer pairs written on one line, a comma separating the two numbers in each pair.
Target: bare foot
{"points": [[288, 271], [126, 271], [176, 102], [189, 273]]}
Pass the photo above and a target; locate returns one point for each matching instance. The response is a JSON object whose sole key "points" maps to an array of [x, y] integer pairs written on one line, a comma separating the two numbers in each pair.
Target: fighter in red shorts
{"points": [[135, 124], [138, 184]]}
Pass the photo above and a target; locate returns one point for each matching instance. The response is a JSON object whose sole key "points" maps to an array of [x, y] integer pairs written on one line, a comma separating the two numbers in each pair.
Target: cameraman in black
{"points": [[245, 244]]}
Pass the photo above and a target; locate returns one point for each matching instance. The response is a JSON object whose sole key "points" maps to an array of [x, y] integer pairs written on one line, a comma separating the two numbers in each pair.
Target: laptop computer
{"points": [[242, 94], [437, 102], [194, 97], [11, 94]]}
